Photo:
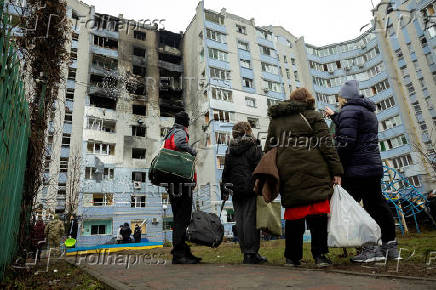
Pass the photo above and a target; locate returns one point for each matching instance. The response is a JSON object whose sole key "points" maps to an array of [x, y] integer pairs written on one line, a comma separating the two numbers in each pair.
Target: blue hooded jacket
{"points": [[357, 137]]}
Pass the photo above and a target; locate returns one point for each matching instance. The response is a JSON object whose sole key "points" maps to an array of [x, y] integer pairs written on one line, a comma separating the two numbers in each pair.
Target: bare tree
{"points": [[428, 153], [75, 169]]}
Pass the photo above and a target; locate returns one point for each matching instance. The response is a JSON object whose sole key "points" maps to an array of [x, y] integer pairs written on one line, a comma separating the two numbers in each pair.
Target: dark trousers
{"points": [[245, 216], [181, 204], [294, 231], [369, 190]]}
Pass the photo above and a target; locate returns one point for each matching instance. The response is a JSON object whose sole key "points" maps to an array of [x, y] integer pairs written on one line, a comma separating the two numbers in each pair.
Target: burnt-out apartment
{"points": [[123, 87], [170, 63]]}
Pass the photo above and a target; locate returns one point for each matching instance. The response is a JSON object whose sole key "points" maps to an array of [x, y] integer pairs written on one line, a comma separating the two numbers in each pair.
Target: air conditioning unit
{"points": [[347, 67], [154, 221], [361, 65], [266, 91], [137, 184], [331, 72]]}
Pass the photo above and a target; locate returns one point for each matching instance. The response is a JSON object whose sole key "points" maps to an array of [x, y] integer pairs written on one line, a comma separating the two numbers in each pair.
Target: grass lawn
{"points": [[412, 265]]}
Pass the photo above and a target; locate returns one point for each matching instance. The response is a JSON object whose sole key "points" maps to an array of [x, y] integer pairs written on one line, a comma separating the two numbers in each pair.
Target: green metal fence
{"points": [[14, 134]]}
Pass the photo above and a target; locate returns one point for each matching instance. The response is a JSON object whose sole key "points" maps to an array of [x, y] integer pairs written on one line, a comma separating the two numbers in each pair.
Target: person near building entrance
{"points": [[137, 234]]}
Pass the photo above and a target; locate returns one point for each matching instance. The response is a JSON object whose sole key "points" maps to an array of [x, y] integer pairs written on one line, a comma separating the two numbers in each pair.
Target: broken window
{"points": [[75, 36], [102, 199], [95, 147], [66, 139], [72, 73], [91, 173], [105, 42], [70, 94], [139, 70], [241, 29], [63, 164], [139, 110], [138, 131], [101, 124], [139, 35], [138, 153], [104, 62], [254, 122], [221, 94], [138, 176], [73, 53], [108, 173], [68, 117], [222, 116], [219, 73], [247, 83], [139, 51], [222, 138], [103, 102]]}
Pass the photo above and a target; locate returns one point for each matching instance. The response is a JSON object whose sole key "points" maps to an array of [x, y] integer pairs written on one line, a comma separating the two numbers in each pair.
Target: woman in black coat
{"points": [[242, 157], [357, 143]]}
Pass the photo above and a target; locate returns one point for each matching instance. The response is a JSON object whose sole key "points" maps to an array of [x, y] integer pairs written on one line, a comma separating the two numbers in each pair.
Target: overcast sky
{"points": [[321, 22]]}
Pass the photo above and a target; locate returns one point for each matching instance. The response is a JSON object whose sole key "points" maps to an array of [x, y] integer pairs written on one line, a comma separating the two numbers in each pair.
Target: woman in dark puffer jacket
{"points": [[357, 140], [243, 155]]}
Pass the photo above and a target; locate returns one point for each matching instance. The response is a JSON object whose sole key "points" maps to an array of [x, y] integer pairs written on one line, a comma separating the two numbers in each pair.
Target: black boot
{"points": [[254, 259], [184, 260]]}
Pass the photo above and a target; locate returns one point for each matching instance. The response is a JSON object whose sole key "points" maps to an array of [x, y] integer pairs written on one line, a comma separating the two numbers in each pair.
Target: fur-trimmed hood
{"points": [[241, 144], [286, 108]]}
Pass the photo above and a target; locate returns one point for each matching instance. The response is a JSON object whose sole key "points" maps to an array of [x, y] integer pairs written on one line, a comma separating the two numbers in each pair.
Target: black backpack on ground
{"points": [[205, 229]]}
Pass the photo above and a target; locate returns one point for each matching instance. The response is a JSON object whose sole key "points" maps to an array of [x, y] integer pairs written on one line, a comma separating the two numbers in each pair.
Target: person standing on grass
{"points": [[308, 166], [242, 157], [54, 231], [357, 138], [180, 195]]}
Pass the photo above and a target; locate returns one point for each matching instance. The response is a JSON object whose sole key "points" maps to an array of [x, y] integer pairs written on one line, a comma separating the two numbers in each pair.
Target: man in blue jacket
{"points": [[357, 139]]}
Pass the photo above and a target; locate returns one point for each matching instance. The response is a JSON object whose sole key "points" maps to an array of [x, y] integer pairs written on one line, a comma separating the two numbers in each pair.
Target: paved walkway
{"points": [[212, 276]]}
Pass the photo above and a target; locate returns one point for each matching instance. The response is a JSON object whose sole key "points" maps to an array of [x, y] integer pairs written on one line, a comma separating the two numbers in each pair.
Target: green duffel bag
{"points": [[171, 166]]}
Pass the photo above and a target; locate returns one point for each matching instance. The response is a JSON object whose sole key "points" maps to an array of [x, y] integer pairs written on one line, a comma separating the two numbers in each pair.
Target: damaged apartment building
{"points": [[124, 85]]}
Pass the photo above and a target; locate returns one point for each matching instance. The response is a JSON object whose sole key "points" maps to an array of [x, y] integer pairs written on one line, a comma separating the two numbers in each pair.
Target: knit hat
{"points": [[350, 90], [182, 118]]}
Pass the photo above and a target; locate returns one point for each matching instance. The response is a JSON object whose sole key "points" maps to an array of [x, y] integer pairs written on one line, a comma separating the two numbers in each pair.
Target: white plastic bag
{"points": [[349, 224]]}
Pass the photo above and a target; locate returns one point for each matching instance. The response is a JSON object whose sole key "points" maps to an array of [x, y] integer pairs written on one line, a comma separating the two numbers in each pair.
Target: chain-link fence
{"points": [[14, 134]]}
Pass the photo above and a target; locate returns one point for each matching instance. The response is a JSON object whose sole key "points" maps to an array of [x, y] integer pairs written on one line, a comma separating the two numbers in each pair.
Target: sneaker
{"points": [[322, 261], [184, 260], [292, 263], [370, 253], [390, 250], [254, 259]]}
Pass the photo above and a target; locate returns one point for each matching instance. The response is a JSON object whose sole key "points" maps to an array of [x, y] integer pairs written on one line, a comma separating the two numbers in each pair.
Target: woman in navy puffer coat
{"points": [[357, 143]]}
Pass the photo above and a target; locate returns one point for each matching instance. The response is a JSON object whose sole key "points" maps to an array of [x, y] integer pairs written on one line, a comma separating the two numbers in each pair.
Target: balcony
{"points": [[163, 48], [170, 66]]}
